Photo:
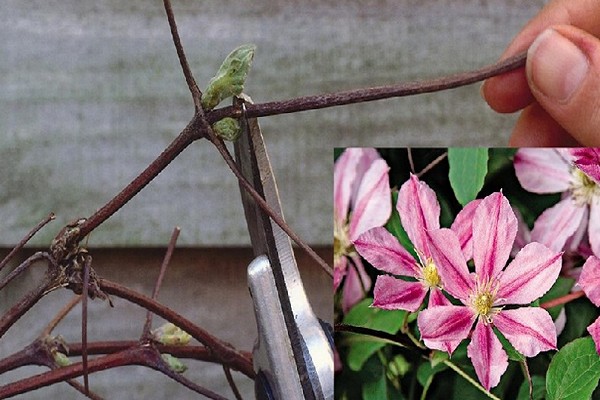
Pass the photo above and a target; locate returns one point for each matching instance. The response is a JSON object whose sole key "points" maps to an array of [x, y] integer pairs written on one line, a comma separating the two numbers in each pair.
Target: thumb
{"points": [[563, 71]]}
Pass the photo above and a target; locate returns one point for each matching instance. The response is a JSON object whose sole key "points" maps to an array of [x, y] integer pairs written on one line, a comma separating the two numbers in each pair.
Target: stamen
{"points": [[341, 241], [583, 189], [431, 277], [483, 299]]}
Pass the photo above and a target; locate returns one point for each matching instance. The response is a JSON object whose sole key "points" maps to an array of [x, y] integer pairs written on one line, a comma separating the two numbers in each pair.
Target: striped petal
{"points": [[382, 250], [444, 327], [529, 329], [557, 224], [450, 263], [531, 274], [348, 172], [543, 170], [494, 232], [373, 200], [395, 294], [589, 280], [419, 212], [486, 354], [463, 227]]}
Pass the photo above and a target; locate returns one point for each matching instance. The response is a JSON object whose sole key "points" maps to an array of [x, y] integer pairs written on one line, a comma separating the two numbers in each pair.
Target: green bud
{"points": [[227, 129], [170, 334], [397, 368], [230, 78], [174, 363], [61, 359]]}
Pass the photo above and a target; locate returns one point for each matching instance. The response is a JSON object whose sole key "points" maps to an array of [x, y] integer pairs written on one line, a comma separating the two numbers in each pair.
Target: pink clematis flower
{"points": [[589, 281], [486, 292], [566, 171], [362, 200], [419, 212]]}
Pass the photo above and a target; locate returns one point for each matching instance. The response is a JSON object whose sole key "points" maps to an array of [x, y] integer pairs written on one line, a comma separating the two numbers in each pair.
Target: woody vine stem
{"points": [[65, 251]]}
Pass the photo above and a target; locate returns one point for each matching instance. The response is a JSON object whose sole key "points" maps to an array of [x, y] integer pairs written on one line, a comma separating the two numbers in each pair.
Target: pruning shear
{"points": [[293, 355]]}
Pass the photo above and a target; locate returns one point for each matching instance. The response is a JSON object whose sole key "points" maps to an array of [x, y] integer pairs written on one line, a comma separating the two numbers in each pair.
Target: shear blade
{"points": [[312, 354]]}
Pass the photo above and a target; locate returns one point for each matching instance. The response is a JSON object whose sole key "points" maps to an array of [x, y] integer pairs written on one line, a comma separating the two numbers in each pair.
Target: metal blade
{"points": [[312, 353]]}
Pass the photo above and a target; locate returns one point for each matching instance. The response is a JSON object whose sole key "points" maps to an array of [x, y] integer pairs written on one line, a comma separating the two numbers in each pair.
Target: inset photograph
{"points": [[467, 273]]}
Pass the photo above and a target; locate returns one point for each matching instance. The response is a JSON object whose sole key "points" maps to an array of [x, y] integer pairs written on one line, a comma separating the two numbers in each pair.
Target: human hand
{"points": [[559, 89]]}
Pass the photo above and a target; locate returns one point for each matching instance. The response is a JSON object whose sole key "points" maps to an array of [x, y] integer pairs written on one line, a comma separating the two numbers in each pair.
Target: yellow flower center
{"points": [[583, 188], [341, 241], [483, 299], [431, 277]]}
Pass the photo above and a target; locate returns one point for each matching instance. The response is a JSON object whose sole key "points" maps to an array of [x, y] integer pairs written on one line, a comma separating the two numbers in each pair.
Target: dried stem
{"points": [[139, 355], [159, 280], [84, 302], [190, 133], [187, 72], [11, 316], [411, 162], [563, 299], [26, 239], [397, 339], [432, 164], [314, 102], [231, 382], [23, 266], [224, 352]]}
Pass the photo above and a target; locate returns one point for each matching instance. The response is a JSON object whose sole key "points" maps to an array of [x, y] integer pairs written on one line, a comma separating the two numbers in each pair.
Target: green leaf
{"points": [[574, 371], [375, 390], [427, 371], [468, 167], [513, 354], [375, 384], [580, 314], [364, 315], [539, 389]]}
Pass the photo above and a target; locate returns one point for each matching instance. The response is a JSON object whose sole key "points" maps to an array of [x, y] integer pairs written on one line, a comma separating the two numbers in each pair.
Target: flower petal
{"points": [[494, 232], [346, 179], [557, 223], [531, 274], [395, 294], [437, 298], [356, 285], [382, 250], [450, 263], [348, 172], [339, 271], [594, 226], [487, 355], [529, 329], [589, 280], [373, 205], [419, 211], [587, 159], [543, 170], [463, 227], [444, 327], [594, 330], [523, 233]]}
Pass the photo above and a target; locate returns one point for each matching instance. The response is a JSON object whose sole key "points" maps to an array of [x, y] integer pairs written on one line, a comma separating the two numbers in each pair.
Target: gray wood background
{"points": [[91, 92]]}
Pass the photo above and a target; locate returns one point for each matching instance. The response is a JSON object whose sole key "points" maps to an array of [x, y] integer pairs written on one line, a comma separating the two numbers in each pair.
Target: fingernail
{"points": [[556, 67]]}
